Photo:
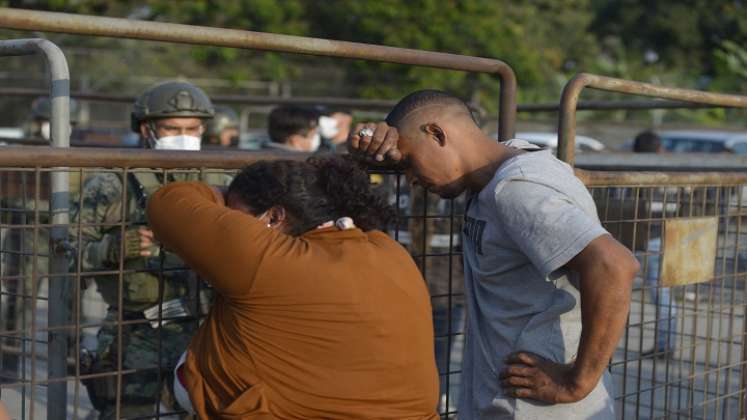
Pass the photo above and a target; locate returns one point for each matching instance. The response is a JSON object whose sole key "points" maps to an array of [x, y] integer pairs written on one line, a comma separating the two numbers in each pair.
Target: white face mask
{"points": [[45, 130], [181, 142], [316, 141], [328, 127]]}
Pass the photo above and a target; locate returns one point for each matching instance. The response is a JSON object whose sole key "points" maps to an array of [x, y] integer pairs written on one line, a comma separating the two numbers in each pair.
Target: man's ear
{"points": [[144, 130], [435, 131]]}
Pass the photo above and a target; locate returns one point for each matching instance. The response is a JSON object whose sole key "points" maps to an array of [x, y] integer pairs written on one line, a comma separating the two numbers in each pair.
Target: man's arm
{"points": [[606, 270], [100, 204], [100, 246]]}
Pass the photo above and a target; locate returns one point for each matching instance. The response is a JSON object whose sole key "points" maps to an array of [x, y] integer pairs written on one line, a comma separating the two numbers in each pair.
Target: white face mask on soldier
{"points": [[328, 127], [316, 141], [181, 142], [45, 130]]}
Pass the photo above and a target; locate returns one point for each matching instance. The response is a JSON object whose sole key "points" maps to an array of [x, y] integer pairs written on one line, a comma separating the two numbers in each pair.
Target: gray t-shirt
{"points": [[519, 232]]}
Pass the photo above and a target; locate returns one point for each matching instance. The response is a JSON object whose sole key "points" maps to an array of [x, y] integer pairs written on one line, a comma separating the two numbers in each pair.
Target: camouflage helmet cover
{"points": [[171, 100], [225, 117], [41, 109]]}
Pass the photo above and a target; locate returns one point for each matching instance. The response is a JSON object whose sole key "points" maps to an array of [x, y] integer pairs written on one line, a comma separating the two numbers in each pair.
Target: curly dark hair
{"points": [[314, 191]]}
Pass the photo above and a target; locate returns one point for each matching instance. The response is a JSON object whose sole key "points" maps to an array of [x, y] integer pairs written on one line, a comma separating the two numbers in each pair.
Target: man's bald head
{"points": [[428, 102]]}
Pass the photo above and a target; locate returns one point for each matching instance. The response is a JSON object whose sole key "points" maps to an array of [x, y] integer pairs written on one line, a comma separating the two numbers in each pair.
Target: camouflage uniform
{"points": [[155, 280], [151, 287]]}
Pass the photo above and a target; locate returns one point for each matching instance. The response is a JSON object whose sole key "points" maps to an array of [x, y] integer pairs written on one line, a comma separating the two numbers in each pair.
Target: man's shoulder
{"points": [[540, 168], [103, 180], [104, 186]]}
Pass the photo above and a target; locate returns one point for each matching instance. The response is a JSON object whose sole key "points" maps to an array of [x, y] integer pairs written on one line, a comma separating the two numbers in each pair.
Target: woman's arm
{"points": [[224, 246]]}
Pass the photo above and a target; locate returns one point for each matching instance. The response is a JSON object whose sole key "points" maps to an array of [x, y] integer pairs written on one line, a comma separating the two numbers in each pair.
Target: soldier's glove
{"points": [[131, 249]]}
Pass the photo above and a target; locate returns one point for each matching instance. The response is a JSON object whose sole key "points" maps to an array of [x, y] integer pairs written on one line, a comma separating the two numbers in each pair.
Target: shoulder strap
{"points": [[143, 184]]}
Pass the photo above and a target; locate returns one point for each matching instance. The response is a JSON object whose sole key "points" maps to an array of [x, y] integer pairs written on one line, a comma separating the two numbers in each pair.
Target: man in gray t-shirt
{"points": [[547, 288]]}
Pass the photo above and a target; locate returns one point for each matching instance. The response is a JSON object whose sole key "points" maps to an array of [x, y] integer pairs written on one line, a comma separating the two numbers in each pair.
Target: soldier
{"points": [[158, 297], [41, 115], [223, 129]]}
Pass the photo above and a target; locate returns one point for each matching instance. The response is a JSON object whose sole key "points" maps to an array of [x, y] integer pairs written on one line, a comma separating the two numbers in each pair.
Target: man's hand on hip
{"points": [[528, 375]]}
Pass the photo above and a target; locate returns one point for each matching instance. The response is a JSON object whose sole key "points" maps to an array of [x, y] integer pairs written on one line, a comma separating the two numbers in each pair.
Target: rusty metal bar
{"points": [[372, 104], [354, 103], [615, 105], [652, 179], [135, 158], [200, 35], [573, 89], [675, 162], [29, 156], [59, 95]]}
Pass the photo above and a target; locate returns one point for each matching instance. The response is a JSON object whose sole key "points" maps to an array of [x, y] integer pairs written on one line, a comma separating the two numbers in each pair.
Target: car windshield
{"points": [[692, 145]]}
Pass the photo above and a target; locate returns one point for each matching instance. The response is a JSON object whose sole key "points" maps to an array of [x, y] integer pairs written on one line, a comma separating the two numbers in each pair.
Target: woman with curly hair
{"points": [[318, 314]]}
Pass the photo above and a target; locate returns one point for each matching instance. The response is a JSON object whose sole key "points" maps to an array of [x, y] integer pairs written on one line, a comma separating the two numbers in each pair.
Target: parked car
{"points": [[550, 140], [704, 141]]}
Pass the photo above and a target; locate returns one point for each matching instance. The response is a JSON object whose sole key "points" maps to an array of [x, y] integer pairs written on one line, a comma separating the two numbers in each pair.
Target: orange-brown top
{"points": [[333, 324]]}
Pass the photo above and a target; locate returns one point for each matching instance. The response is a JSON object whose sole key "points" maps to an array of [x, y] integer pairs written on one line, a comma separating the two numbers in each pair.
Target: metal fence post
{"points": [[59, 289], [574, 87]]}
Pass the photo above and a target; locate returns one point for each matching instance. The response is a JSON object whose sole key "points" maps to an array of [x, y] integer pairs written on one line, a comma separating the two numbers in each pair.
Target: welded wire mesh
{"points": [[682, 355]]}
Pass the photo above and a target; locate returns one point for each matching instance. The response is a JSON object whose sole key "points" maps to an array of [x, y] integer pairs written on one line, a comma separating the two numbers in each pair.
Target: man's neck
{"points": [[484, 161]]}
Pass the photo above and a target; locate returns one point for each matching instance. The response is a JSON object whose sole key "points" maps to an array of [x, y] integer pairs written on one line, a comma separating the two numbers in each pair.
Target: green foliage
{"points": [[731, 67], [520, 33], [691, 43]]}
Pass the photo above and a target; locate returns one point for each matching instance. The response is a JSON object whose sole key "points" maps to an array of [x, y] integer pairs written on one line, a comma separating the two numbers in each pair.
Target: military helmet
{"points": [[171, 100], [225, 117], [41, 109]]}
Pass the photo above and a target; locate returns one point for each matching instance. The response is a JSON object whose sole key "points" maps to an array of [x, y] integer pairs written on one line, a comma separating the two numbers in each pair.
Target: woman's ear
{"points": [[278, 217]]}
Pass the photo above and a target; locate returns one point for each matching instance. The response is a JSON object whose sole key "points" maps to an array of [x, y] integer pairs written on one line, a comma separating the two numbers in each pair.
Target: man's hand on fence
{"points": [[374, 142], [528, 375]]}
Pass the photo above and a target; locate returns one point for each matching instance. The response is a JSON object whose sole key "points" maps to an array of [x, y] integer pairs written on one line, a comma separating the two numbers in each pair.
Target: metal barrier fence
{"points": [[572, 90], [59, 94], [682, 355], [698, 373], [686, 230], [199, 35], [428, 227]]}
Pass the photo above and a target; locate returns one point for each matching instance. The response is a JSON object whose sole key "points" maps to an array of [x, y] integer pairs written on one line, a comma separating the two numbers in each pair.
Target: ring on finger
{"points": [[366, 132]]}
